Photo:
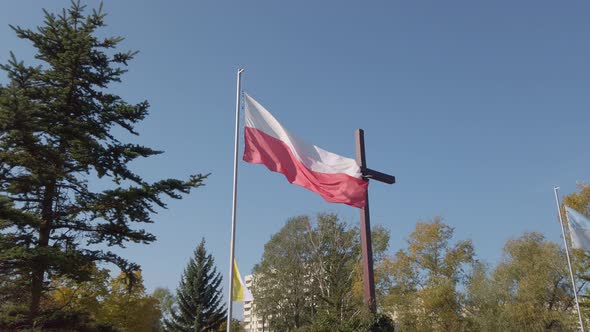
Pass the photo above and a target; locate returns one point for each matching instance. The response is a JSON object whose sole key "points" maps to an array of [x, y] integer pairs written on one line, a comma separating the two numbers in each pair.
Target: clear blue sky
{"points": [[478, 108]]}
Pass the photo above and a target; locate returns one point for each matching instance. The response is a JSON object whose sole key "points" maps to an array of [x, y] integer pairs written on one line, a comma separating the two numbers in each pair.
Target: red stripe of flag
{"points": [[262, 148]]}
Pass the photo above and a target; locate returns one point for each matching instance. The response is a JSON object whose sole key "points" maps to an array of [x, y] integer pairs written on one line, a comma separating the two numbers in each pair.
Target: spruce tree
{"points": [[57, 123], [198, 307]]}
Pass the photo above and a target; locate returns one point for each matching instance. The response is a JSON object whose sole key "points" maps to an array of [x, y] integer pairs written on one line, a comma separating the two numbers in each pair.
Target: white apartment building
{"points": [[252, 322]]}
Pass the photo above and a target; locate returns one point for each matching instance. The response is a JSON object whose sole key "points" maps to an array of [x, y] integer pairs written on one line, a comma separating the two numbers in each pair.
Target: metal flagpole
{"points": [[233, 209], [567, 253]]}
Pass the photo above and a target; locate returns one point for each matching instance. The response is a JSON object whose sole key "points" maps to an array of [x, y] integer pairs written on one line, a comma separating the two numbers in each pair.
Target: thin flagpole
{"points": [[234, 197], [567, 253]]}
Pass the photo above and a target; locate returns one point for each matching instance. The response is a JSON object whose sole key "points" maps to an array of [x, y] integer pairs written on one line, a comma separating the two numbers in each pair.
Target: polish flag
{"points": [[337, 179]]}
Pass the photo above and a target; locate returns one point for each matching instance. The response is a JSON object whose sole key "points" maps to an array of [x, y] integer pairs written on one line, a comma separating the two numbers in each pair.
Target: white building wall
{"points": [[252, 322]]}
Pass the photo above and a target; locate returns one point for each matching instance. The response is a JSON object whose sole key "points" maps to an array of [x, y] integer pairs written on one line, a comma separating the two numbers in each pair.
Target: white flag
{"points": [[579, 226]]}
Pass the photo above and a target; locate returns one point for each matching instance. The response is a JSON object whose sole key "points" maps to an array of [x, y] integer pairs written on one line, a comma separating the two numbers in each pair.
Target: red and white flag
{"points": [[337, 179]]}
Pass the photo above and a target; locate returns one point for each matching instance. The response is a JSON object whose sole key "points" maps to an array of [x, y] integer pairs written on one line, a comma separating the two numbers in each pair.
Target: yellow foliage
{"points": [[115, 301]]}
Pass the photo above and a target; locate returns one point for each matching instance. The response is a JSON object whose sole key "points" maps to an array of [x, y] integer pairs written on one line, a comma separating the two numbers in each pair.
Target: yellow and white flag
{"points": [[239, 292]]}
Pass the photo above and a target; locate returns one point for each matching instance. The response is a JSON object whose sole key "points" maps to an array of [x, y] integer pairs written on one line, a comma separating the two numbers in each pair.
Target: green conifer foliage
{"points": [[56, 133], [198, 307]]}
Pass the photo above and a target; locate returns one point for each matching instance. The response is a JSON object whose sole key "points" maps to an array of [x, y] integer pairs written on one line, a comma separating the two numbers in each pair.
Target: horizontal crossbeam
{"points": [[378, 176]]}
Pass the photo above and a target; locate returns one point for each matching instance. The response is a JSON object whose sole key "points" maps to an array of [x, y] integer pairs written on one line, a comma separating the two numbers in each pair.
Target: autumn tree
{"points": [[119, 303], [529, 290], [307, 276], [87, 296], [128, 306], [425, 280], [482, 303], [580, 201], [57, 133]]}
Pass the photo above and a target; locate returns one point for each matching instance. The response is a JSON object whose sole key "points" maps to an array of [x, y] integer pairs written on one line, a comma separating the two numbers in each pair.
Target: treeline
{"points": [[103, 303], [109, 304], [309, 279]]}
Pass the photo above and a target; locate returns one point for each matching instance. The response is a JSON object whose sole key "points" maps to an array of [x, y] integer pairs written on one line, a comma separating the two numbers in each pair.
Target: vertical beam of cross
{"points": [[366, 244]]}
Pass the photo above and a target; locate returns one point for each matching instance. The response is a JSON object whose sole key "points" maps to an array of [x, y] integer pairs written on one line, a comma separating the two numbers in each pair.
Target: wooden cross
{"points": [[366, 245]]}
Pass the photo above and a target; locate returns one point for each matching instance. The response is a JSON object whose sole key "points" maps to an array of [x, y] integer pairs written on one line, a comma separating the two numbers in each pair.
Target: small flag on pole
{"points": [[579, 226], [239, 292], [336, 178]]}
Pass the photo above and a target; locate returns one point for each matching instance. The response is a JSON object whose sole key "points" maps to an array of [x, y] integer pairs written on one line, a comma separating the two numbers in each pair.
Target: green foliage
{"points": [[235, 326], [529, 290], [128, 307], [334, 258], [438, 286], [60, 321], [56, 133], [580, 201], [198, 298], [68, 295], [281, 284], [482, 303], [425, 280], [308, 275], [165, 304], [107, 302], [360, 322]]}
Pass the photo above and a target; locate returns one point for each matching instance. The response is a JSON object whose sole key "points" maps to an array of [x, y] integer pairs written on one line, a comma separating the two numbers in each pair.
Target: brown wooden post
{"points": [[366, 245]]}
